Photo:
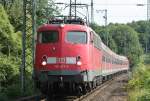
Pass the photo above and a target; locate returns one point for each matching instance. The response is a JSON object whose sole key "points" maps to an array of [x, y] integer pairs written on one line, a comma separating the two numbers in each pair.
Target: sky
{"points": [[118, 11]]}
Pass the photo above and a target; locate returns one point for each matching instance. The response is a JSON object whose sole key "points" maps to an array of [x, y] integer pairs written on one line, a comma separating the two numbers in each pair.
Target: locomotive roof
{"points": [[61, 21], [68, 26]]}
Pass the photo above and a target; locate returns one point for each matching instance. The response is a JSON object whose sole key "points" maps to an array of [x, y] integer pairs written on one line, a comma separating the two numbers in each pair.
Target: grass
{"points": [[139, 85]]}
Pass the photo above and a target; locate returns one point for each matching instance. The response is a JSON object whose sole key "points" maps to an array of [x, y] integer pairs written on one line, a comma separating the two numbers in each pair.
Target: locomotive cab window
{"points": [[76, 37], [48, 37]]}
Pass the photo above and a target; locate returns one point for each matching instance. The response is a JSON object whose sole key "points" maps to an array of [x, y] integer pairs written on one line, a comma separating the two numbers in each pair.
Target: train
{"points": [[70, 56]]}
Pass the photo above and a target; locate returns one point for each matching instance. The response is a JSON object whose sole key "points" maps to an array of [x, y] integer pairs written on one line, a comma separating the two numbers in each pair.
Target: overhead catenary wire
{"points": [[135, 4], [107, 5]]}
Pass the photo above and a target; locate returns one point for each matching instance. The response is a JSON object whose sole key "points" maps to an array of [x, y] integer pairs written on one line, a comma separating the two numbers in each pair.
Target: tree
{"points": [[6, 3], [10, 40], [10, 43], [14, 9], [127, 42], [142, 27], [45, 10]]}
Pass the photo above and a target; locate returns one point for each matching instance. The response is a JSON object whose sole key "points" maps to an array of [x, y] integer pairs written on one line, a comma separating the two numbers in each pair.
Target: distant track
{"points": [[89, 96]]}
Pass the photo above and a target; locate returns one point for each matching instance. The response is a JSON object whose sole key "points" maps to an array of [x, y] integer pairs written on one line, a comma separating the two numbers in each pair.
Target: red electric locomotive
{"points": [[70, 55]]}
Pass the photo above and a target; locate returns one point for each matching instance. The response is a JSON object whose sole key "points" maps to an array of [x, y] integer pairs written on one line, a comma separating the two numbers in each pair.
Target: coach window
{"points": [[103, 58], [96, 41], [113, 61], [99, 43], [76, 37], [91, 37], [48, 36]]}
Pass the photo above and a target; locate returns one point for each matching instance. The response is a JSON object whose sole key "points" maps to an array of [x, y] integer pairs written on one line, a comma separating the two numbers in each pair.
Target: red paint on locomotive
{"points": [[62, 57]]}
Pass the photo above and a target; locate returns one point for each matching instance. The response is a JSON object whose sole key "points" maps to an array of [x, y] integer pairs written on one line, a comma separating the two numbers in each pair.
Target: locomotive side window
{"points": [[103, 58], [97, 41], [77, 37], [48, 37]]}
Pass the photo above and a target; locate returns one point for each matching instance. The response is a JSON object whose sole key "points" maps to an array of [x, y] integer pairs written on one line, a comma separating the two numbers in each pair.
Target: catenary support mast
{"points": [[29, 25], [148, 10]]}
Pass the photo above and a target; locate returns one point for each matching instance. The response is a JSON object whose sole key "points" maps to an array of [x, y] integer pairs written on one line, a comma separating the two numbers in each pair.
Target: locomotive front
{"points": [[62, 57]]}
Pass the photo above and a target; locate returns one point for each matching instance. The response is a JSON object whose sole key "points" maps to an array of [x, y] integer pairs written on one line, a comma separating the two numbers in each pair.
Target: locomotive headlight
{"points": [[44, 60], [79, 63], [44, 63], [62, 25]]}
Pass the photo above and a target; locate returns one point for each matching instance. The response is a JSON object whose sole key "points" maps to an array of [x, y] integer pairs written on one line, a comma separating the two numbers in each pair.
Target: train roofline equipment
{"points": [[66, 20]]}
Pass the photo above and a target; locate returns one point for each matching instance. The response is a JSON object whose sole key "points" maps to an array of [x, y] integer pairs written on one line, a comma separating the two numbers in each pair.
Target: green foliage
{"points": [[3, 97], [6, 3], [14, 11], [138, 86], [10, 50], [10, 79], [8, 70], [14, 8], [13, 91], [30, 90], [144, 97], [142, 27], [45, 10], [9, 41], [146, 58]]}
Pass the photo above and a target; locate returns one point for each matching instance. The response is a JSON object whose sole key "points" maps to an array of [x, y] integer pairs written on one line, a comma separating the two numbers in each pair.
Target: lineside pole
{"points": [[22, 72], [75, 9], [33, 27], [29, 28], [70, 8], [148, 10], [105, 17], [92, 12]]}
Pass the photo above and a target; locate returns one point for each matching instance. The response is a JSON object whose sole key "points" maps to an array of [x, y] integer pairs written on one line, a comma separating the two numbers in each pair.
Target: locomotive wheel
{"points": [[94, 84], [44, 88], [88, 87], [79, 90], [101, 79], [37, 84], [50, 98], [73, 87], [84, 88]]}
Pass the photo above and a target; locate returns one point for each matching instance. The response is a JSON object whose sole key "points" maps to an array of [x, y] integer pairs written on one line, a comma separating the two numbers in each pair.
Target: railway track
{"points": [[87, 97]]}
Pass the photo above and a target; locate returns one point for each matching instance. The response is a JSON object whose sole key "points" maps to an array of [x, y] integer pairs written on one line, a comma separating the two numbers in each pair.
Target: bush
{"points": [[144, 97], [139, 85], [13, 91], [9, 69], [10, 42], [3, 97], [147, 58]]}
